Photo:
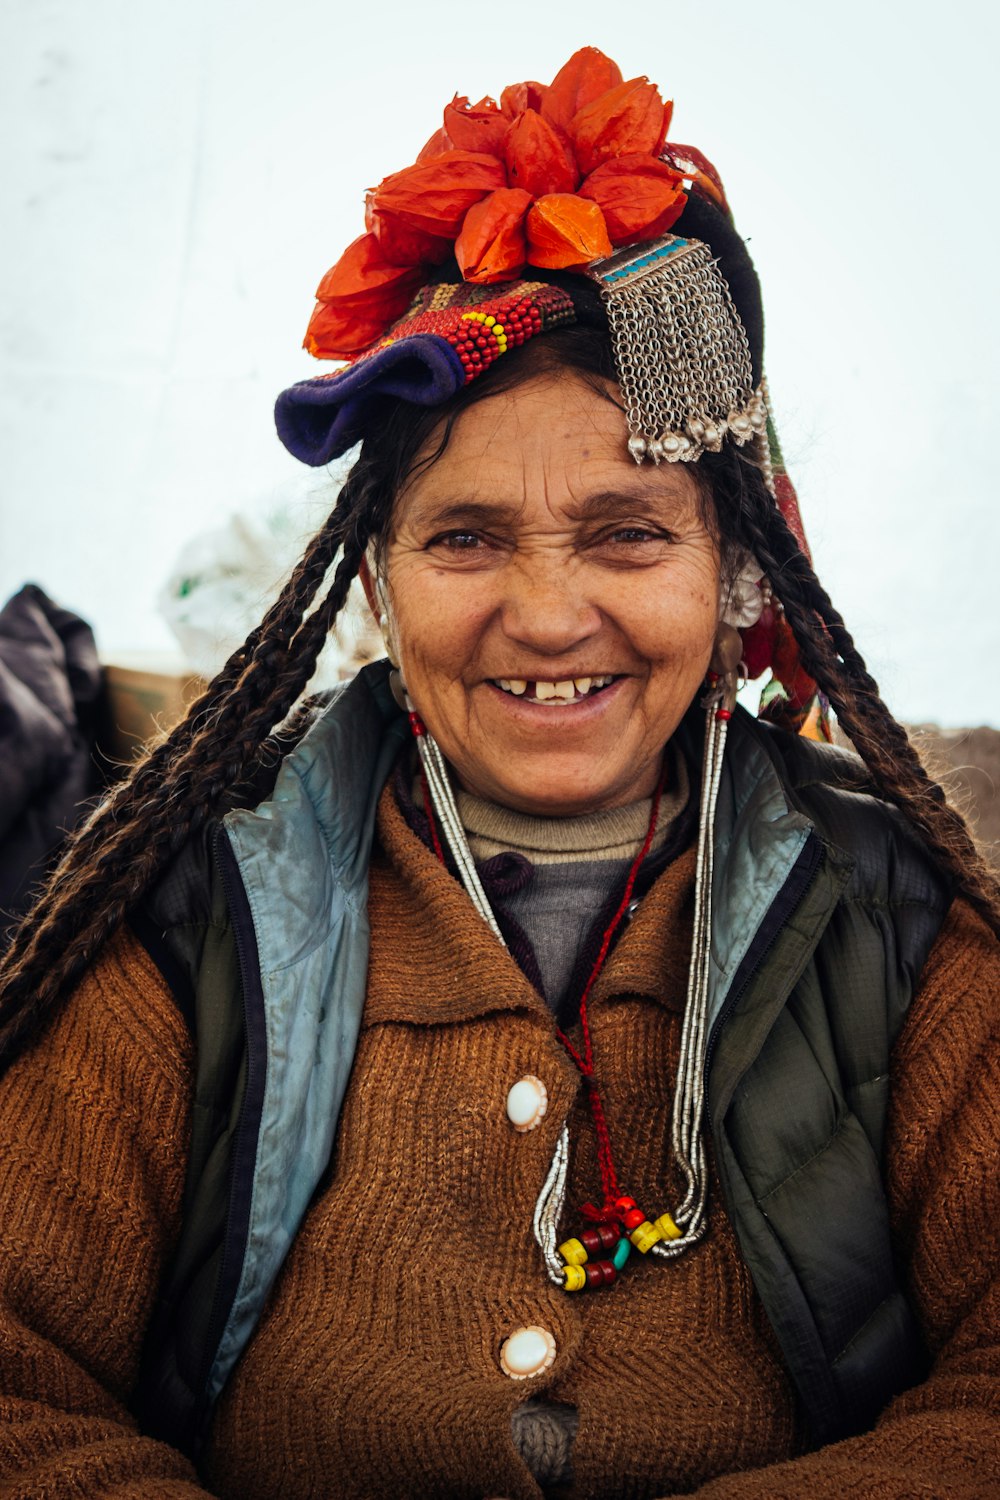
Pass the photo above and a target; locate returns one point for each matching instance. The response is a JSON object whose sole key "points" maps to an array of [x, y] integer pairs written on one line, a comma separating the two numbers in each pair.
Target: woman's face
{"points": [[553, 606]]}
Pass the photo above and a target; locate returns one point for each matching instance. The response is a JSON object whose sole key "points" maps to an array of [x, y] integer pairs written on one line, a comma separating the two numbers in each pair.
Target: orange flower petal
{"points": [[476, 127], [537, 160], [517, 97], [436, 195], [363, 277], [439, 142], [492, 245], [586, 76], [638, 196], [631, 117], [400, 245], [345, 332], [564, 230]]}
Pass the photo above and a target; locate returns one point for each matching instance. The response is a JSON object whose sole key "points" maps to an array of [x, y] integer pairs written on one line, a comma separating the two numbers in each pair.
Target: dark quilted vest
{"points": [[799, 1086]]}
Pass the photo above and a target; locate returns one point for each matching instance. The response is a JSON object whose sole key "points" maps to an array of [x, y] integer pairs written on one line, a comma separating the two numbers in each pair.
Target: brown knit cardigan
{"points": [[375, 1370]]}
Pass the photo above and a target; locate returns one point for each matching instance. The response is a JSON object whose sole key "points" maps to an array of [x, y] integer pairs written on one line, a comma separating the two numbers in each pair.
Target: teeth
{"points": [[565, 690]]}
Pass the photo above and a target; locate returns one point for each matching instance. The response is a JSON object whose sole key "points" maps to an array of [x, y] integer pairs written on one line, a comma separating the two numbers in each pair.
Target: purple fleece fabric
{"points": [[319, 419]]}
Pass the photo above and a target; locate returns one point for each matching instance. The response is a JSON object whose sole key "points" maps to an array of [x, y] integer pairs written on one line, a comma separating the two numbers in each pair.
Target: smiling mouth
{"points": [[559, 694]]}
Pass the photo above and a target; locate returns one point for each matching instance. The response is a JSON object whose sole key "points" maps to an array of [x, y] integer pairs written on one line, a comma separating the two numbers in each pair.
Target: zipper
{"points": [[794, 891], [237, 1213]]}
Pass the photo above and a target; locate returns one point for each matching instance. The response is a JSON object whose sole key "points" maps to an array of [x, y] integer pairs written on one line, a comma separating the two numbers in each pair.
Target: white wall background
{"points": [[175, 179]]}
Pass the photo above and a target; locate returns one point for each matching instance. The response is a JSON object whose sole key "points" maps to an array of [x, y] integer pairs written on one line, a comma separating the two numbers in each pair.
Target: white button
{"points": [[527, 1102], [527, 1352]]}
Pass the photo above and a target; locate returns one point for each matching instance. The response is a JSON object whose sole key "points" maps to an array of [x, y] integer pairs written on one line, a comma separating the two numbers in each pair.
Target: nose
{"points": [[546, 607]]}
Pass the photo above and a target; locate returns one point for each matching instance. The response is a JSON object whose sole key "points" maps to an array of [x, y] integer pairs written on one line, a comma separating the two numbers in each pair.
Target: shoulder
{"points": [[832, 787]]}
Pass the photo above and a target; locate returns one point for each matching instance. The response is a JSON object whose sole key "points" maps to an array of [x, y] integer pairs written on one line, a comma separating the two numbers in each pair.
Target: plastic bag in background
{"points": [[224, 581]]}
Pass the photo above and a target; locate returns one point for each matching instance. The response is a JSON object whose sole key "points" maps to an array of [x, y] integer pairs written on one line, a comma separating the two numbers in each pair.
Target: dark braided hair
{"points": [[241, 722], [745, 507]]}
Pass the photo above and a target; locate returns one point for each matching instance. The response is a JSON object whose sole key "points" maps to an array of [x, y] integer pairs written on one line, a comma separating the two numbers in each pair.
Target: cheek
{"points": [[680, 624], [439, 625]]}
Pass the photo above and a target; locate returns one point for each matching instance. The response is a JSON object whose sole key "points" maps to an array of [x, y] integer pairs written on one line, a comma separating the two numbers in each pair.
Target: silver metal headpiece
{"points": [[681, 351]]}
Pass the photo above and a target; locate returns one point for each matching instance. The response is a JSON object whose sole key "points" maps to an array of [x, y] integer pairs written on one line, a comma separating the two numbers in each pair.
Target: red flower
{"points": [[436, 195], [501, 183], [517, 97], [631, 117], [492, 245], [564, 230], [586, 76], [358, 298], [402, 246], [537, 160], [639, 196], [476, 127], [439, 142]]}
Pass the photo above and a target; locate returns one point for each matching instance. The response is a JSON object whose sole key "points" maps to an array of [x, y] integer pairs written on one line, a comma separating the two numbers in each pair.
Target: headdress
{"points": [[558, 205]]}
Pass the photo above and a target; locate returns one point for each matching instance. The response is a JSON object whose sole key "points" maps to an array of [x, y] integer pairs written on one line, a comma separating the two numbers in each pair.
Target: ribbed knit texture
{"points": [[375, 1371], [616, 834], [93, 1131]]}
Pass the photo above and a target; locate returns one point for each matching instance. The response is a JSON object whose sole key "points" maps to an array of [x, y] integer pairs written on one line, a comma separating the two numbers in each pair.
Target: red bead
{"points": [[632, 1218], [622, 1205], [600, 1237], [608, 1235], [600, 1273]]}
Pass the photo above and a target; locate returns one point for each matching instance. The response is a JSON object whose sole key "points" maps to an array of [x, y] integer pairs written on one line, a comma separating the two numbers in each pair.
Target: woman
{"points": [[332, 1193]]}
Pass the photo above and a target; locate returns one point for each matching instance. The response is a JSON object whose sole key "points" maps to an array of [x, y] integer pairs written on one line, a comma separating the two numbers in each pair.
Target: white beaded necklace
{"points": [[687, 1142]]}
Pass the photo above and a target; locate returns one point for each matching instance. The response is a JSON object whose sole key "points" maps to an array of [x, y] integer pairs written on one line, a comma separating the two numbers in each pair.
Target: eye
{"points": [[465, 549], [636, 534], [632, 545], [457, 541]]}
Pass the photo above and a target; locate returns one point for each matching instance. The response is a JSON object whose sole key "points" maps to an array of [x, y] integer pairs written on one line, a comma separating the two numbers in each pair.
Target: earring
{"points": [[724, 668], [742, 602]]}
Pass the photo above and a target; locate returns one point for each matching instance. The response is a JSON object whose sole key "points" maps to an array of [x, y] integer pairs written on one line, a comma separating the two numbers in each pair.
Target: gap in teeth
{"points": [[564, 690]]}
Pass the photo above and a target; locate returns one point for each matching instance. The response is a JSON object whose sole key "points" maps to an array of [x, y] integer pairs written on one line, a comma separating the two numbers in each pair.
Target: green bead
{"points": [[622, 1253]]}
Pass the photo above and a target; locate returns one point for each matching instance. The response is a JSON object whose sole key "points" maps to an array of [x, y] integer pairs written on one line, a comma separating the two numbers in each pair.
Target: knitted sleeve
{"points": [[940, 1440], [93, 1141]]}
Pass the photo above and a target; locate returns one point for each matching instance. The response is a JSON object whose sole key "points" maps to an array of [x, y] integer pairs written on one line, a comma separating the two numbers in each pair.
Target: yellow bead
{"points": [[574, 1278], [489, 320], [573, 1253], [667, 1227], [499, 329], [645, 1236]]}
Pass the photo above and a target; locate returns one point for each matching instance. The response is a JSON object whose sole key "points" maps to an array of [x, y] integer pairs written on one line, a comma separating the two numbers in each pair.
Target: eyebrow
{"points": [[602, 505]]}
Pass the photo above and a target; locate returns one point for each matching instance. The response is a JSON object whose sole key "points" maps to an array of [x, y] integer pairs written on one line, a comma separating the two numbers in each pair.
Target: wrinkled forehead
{"points": [[551, 446]]}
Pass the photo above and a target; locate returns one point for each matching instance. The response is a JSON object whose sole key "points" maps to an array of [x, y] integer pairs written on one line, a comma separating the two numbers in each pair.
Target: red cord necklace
{"points": [[618, 1223]]}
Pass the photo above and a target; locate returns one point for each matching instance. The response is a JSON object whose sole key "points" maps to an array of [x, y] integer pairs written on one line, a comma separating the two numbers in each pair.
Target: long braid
{"points": [[830, 656], [115, 856]]}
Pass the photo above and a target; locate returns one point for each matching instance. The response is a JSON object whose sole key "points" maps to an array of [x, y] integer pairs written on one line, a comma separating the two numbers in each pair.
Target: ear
{"points": [[371, 592]]}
